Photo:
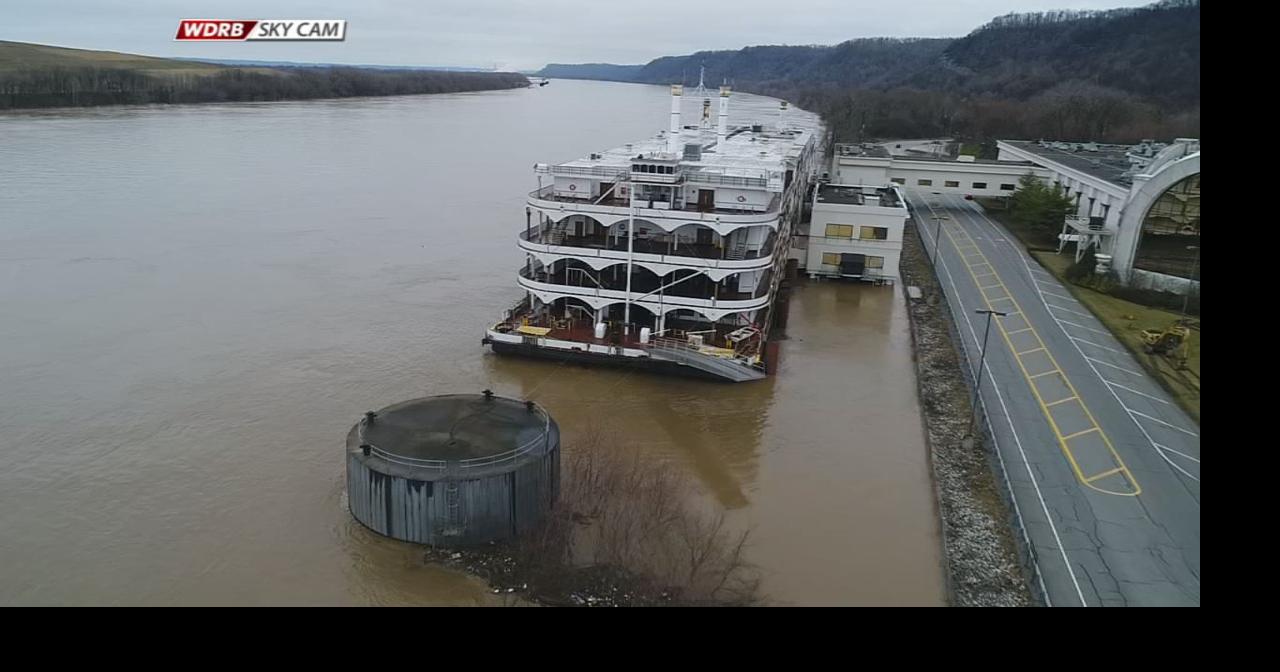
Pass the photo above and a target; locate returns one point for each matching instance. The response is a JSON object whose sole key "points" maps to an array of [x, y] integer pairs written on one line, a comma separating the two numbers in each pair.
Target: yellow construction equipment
{"points": [[1174, 342]]}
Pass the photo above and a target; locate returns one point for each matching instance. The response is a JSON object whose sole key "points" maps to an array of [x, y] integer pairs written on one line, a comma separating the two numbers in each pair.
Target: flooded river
{"points": [[197, 302]]}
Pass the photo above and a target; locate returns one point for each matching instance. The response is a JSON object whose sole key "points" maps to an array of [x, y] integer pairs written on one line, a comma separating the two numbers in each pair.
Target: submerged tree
{"points": [[636, 528]]}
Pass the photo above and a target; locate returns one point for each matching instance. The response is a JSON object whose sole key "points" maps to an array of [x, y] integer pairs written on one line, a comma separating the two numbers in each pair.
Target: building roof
{"points": [[867, 149], [845, 194], [875, 151], [1110, 163], [957, 162]]}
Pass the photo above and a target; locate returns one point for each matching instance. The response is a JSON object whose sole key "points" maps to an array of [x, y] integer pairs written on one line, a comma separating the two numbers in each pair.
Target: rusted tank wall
{"points": [[453, 510]]}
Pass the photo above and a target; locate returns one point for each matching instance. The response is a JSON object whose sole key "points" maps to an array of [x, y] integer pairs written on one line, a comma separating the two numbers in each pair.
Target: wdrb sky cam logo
{"points": [[230, 30]]}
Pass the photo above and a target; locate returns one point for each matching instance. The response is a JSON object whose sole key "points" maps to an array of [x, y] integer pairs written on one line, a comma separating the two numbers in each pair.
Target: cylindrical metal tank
{"points": [[453, 470]]}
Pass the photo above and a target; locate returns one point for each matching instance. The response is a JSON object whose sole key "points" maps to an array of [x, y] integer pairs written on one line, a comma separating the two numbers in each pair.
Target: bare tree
{"points": [[641, 524]]}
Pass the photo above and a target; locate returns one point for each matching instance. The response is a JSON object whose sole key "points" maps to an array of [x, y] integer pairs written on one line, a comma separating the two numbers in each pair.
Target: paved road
{"points": [[1103, 465]]}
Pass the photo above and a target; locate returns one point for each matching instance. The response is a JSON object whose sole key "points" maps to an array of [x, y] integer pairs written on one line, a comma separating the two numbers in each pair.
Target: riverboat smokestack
{"points": [[722, 129], [673, 137]]}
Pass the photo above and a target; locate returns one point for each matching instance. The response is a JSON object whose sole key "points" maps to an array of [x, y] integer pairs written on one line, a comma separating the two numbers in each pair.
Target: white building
{"points": [[858, 219], [855, 232], [873, 165], [1139, 204], [679, 240]]}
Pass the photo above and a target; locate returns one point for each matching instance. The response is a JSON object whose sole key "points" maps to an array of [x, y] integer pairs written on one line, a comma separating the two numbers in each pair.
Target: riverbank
{"points": [[36, 76], [981, 552], [585, 587], [625, 530]]}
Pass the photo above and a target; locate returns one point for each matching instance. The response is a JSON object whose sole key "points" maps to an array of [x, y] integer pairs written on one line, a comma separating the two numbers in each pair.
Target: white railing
{"points": [[667, 302], [689, 176], [672, 259], [713, 360], [595, 171], [730, 180], [544, 200]]}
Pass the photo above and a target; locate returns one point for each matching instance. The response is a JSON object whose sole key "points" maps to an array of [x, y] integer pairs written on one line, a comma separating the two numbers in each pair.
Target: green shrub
{"points": [[1082, 271], [1038, 205]]}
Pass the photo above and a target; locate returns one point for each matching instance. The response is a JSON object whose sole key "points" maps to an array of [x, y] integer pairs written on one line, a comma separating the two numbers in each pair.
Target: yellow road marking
{"points": [[1060, 401], [1082, 433], [1027, 352], [1121, 468], [1105, 474]]}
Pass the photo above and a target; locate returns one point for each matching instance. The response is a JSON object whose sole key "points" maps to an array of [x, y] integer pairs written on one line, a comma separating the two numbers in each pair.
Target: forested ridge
{"points": [[1116, 75]]}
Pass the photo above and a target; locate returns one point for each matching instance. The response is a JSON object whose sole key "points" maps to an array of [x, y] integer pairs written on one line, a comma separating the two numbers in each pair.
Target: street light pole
{"points": [[1191, 279], [937, 240], [982, 358]]}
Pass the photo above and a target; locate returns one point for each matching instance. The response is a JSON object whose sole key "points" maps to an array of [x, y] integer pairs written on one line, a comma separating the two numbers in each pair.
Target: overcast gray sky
{"points": [[511, 34]]}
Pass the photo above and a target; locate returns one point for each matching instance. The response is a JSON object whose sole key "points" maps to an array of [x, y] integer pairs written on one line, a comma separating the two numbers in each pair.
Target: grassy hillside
{"points": [[24, 56]]}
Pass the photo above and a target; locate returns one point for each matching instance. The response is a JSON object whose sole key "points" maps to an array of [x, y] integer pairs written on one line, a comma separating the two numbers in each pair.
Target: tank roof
{"points": [[452, 428]]}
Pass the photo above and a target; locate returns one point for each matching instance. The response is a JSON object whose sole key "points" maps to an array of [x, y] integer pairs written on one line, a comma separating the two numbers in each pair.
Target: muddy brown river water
{"points": [[196, 302]]}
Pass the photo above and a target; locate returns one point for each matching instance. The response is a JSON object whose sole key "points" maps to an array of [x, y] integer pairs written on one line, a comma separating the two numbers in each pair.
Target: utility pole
{"points": [[937, 240], [982, 359]]}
